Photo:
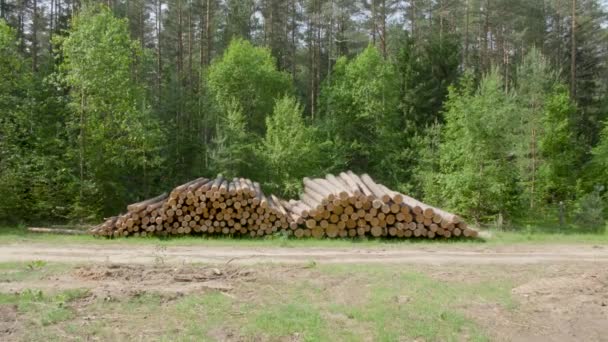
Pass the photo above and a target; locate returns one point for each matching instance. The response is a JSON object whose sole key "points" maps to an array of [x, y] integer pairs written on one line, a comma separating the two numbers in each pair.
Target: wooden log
{"points": [[319, 186], [376, 189], [366, 191], [179, 189], [340, 187], [351, 184], [395, 196], [139, 206]]}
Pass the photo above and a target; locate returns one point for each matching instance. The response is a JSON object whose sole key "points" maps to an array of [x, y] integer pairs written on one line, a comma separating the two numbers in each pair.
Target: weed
{"points": [[36, 264]]}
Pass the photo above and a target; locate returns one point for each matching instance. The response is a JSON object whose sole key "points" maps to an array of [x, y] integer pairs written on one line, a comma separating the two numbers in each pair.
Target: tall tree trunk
{"points": [[208, 38], [383, 28], [573, 52], [35, 36], [190, 40], [558, 24], [142, 24], [159, 60], [20, 29], [180, 42], [329, 34], [440, 21], [311, 61], [318, 54], [373, 28], [51, 26], [466, 35], [201, 34], [413, 18], [82, 144], [485, 61], [294, 47]]}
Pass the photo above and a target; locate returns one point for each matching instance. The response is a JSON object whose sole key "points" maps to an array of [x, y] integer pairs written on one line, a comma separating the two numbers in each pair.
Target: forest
{"points": [[493, 109]]}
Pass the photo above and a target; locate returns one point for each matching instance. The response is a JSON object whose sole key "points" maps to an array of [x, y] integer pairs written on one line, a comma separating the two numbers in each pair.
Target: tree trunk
{"points": [[373, 20], [466, 36], [573, 52], [159, 63], [208, 38], [180, 42], [190, 40], [35, 36], [383, 29]]}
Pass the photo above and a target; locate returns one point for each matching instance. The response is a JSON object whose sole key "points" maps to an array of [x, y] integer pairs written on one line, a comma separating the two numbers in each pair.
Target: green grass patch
{"points": [[29, 271], [410, 304], [40, 309]]}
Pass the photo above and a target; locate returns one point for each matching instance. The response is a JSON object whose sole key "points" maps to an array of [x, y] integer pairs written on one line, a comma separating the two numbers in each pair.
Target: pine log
{"points": [[376, 189], [139, 206]]}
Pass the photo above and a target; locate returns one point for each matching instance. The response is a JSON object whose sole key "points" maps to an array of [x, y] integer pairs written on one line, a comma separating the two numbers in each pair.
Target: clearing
{"points": [[117, 291]]}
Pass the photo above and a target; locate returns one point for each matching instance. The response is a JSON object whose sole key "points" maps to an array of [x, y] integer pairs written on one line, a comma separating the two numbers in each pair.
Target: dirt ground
{"points": [[561, 292], [439, 255]]}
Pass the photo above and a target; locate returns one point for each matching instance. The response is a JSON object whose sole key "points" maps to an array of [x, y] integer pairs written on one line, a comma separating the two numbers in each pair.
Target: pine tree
{"points": [[233, 147]]}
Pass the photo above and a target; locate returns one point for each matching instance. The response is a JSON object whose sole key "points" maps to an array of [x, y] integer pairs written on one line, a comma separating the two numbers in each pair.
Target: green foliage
{"points": [[426, 172], [425, 71], [477, 172], [559, 147], [249, 76], [545, 144], [33, 171], [361, 115], [14, 123], [233, 151], [590, 211], [290, 149], [117, 137]]}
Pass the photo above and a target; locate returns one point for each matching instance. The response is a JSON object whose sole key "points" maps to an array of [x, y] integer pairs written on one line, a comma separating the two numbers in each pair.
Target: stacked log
{"points": [[208, 206], [344, 205], [352, 205]]}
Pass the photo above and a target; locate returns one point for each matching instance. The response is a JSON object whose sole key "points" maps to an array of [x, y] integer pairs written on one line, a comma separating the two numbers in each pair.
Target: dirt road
{"points": [[435, 255]]}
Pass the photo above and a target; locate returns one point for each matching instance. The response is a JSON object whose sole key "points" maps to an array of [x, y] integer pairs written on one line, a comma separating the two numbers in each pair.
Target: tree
{"points": [[361, 115], [290, 149], [233, 148], [35, 177], [543, 125], [559, 147], [117, 137], [477, 173], [425, 71], [15, 124], [249, 76]]}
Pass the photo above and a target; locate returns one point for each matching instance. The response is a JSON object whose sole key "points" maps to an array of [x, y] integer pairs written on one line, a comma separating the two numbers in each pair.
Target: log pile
{"points": [[352, 205], [209, 206], [345, 205]]}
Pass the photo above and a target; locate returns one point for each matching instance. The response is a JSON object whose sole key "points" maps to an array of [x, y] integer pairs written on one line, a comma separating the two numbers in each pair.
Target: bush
{"points": [[589, 214]]}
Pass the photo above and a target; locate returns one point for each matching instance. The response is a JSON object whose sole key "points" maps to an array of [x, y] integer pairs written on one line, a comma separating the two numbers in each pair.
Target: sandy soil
{"points": [[438, 255]]}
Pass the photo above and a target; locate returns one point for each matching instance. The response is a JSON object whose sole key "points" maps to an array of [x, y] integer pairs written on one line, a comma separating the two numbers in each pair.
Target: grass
{"points": [[10, 235], [29, 271], [43, 309], [321, 303]]}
